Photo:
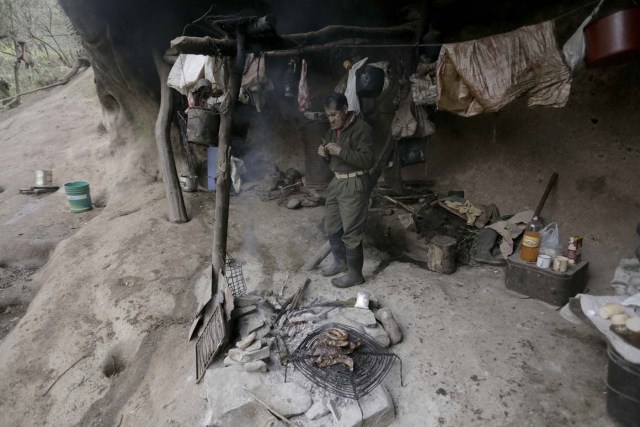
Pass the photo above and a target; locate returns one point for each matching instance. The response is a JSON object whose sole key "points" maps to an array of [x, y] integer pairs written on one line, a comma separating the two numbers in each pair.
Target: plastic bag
{"points": [[574, 49], [411, 151], [550, 240]]}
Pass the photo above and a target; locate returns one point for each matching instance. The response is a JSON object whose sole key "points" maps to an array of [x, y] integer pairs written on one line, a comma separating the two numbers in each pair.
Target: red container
{"points": [[614, 39]]}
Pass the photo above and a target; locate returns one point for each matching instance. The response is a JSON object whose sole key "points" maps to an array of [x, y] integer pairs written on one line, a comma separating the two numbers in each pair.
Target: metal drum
{"points": [[614, 39]]}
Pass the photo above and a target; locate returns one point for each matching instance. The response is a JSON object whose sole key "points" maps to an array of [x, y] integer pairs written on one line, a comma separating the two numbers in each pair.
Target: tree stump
{"points": [[441, 254]]}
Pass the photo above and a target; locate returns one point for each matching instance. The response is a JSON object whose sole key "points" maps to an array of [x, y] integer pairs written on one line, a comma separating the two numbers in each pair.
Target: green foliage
{"points": [[51, 41]]}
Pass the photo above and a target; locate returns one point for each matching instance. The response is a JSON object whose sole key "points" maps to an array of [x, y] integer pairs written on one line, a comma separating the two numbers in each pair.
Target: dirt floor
{"points": [[109, 294]]}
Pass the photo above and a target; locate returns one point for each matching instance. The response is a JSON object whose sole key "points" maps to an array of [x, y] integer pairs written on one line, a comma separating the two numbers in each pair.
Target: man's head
{"points": [[335, 105]]}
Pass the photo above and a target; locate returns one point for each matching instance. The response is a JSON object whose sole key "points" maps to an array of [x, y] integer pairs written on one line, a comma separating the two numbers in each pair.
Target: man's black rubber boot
{"points": [[485, 240], [355, 259], [339, 256]]}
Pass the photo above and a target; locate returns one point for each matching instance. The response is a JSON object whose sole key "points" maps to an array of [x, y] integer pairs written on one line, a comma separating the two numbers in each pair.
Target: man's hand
{"points": [[333, 149], [322, 152]]}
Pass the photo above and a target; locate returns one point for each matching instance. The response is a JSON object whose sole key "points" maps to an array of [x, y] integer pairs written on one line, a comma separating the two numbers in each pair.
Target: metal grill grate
{"points": [[210, 342], [371, 363], [234, 276]]}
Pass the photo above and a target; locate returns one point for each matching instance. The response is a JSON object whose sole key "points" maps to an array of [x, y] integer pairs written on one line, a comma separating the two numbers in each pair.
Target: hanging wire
{"points": [[198, 20]]}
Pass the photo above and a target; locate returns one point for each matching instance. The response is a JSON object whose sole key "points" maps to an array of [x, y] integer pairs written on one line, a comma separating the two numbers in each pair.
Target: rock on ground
{"points": [[380, 335], [251, 414], [377, 408], [318, 410], [257, 366], [288, 399], [361, 316]]}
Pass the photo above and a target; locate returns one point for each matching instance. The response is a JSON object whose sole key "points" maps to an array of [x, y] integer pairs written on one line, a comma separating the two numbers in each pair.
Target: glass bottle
{"points": [[531, 240]]}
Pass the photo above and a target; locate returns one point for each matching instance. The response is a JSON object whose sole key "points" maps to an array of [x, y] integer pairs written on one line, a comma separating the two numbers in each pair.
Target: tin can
{"points": [[574, 250], [44, 177]]}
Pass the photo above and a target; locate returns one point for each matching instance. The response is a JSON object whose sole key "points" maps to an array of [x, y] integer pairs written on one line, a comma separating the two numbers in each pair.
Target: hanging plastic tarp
{"points": [[484, 75], [186, 72], [574, 48]]}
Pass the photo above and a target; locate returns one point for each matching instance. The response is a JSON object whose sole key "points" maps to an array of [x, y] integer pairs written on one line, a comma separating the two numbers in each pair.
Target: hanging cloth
{"points": [[484, 75], [350, 92]]}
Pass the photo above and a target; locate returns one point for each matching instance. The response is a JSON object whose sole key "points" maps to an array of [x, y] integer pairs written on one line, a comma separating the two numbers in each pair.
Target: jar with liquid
{"points": [[531, 240]]}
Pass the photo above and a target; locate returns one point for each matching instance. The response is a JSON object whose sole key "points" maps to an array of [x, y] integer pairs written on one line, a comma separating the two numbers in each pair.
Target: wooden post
{"points": [[177, 210], [223, 177], [441, 254]]}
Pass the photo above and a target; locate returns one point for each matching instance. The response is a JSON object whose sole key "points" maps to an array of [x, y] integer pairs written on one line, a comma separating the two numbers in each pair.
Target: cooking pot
{"points": [[613, 39]]}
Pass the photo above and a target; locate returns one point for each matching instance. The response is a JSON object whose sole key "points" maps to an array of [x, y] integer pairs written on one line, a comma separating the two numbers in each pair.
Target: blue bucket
{"points": [[78, 196]]}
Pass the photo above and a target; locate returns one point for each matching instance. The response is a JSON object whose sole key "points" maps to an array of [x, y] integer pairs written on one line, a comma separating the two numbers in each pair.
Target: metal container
{"points": [[189, 184], [623, 395], [202, 126], [44, 177], [552, 287], [613, 39]]}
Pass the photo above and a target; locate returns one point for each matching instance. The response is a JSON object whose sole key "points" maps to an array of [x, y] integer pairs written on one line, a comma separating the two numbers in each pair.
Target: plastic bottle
{"points": [[531, 240]]}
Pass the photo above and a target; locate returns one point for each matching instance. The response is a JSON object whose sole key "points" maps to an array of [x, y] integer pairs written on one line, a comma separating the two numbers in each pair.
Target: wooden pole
{"points": [[177, 210], [223, 178]]}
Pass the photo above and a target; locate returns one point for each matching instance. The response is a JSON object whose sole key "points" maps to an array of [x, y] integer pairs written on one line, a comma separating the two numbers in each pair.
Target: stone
{"points": [[257, 366], [256, 345], [249, 324], [244, 357], [246, 300], [309, 203], [318, 410], [243, 311], [250, 414], [288, 399], [385, 316], [242, 344], [263, 331], [273, 301], [379, 334], [294, 203], [232, 380], [377, 408], [360, 315], [230, 362]]}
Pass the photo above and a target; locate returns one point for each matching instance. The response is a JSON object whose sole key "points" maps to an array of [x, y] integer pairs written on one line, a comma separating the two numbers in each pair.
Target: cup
{"points": [[544, 261], [560, 264], [363, 299]]}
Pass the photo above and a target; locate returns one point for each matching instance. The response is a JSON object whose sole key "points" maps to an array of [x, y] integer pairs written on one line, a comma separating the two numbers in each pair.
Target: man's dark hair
{"points": [[335, 100]]}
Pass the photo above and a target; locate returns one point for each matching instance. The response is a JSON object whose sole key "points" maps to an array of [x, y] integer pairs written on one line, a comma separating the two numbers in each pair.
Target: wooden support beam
{"points": [[223, 178], [331, 37], [204, 46], [177, 210], [315, 48], [333, 32]]}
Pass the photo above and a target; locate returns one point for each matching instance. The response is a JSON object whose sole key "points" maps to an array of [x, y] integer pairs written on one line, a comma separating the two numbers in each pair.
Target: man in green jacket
{"points": [[349, 146]]}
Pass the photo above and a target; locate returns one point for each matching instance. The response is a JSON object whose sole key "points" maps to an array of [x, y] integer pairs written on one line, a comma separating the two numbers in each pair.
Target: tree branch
{"points": [[344, 31], [298, 43]]}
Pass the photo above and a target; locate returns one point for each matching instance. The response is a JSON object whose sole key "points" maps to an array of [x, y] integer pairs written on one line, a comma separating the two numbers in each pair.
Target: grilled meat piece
{"points": [[324, 361]]}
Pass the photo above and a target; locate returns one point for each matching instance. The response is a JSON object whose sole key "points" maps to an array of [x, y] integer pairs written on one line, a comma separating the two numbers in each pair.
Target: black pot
{"points": [[369, 81]]}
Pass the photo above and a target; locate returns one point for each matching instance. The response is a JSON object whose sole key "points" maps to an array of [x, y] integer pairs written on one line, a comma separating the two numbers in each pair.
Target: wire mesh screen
{"points": [[235, 277], [210, 342], [371, 363]]}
